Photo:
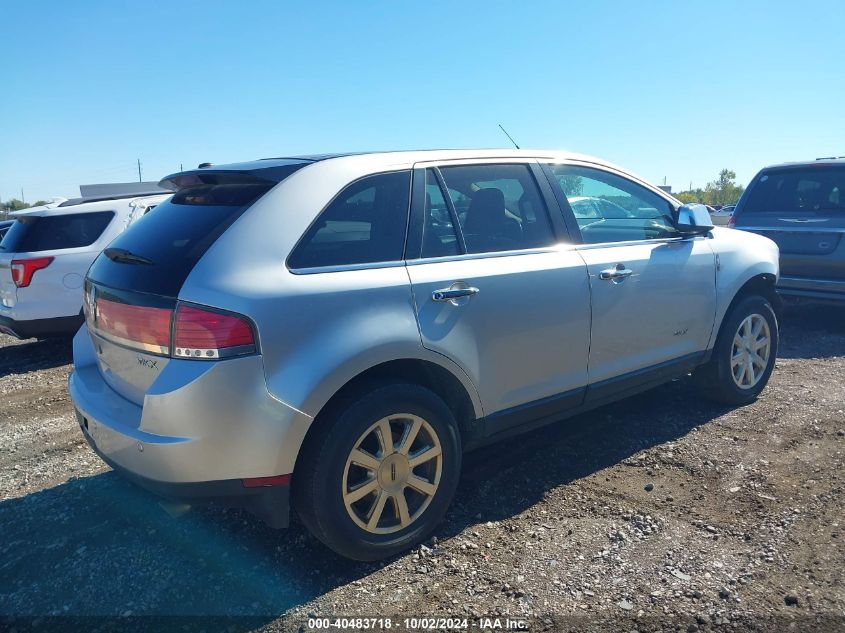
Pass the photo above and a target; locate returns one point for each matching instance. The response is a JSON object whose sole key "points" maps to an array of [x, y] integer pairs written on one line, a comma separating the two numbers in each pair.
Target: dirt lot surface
{"points": [[663, 512]]}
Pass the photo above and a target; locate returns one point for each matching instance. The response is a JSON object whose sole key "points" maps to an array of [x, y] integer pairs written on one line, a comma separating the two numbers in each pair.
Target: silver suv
{"points": [[333, 332]]}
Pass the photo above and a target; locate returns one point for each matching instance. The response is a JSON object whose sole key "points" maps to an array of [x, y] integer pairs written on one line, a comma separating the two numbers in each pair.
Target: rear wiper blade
{"points": [[126, 257]]}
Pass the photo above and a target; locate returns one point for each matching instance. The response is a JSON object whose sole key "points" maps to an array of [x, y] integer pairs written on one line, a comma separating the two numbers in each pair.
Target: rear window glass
{"points": [[175, 236], [364, 224], [31, 234], [797, 191]]}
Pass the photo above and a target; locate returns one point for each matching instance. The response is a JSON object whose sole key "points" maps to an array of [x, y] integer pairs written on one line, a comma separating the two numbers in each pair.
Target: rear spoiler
{"points": [[242, 174]]}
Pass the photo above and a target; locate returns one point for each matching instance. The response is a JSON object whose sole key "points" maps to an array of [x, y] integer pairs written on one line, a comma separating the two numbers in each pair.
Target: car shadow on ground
{"points": [[99, 545], [32, 355]]}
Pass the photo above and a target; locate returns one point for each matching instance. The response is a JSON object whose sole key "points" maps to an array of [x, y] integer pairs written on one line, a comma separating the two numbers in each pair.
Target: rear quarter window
{"points": [[364, 224], [31, 234]]}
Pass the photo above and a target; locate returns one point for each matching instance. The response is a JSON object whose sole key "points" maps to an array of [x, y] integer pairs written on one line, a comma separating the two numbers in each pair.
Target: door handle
{"points": [[448, 294], [617, 274]]}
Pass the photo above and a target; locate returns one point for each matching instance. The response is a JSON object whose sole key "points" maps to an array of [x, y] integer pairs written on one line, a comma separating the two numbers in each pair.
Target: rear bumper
{"points": [[201, 430], [269, 503], [41, 328], [808, 288]]}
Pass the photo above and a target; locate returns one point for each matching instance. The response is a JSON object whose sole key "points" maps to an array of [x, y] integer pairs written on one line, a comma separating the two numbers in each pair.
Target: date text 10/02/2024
{"points": [[420, 624]]}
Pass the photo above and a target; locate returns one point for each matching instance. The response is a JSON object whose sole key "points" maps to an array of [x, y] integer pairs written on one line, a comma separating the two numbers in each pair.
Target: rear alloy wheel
{"points": [[377, 476], [392, 474], [744, 355]]}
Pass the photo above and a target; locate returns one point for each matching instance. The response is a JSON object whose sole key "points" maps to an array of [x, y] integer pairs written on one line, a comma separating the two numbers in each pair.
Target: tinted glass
{"points": [[47, 233], [499, 207], [609, 208], [364, 224], [802, 191], [174, 237], [439, 237]]}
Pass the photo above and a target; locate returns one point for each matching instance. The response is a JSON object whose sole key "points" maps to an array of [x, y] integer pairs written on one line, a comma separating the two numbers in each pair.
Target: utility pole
{"points": [[22, 198], [139, 171]]}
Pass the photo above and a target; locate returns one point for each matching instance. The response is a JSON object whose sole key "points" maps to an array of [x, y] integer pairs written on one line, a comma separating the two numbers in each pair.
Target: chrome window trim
{"points": [[657, 240], [500, 160], [312, 270], [554, 248], [815, 228], [798, 281]]}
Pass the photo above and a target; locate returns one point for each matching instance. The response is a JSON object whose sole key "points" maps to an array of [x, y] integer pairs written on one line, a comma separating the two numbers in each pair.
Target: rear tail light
{"points": [[206, 334], [732, 222], [24, 269], [187, 331], [142, 327]]}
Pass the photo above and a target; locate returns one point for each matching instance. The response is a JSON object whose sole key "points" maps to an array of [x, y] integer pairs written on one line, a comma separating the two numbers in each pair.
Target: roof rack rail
{"points": [[830, 157]]}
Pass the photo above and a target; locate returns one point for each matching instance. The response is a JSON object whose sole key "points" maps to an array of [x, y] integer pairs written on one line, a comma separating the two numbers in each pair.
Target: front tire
{"points": [[377, 477], [744, 355]]}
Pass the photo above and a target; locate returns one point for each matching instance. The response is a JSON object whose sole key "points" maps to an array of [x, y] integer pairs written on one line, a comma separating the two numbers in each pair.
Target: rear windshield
{"points": [[807, 190], [174, 236], [31, 234]]}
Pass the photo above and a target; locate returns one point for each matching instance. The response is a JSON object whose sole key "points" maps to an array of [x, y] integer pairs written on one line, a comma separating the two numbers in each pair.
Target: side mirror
{"points": [[693, 219]]}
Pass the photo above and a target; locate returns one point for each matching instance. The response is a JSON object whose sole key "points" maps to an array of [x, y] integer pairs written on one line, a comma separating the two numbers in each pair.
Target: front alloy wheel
{"points": [[752, 347], [743, 358], [392, 473]]}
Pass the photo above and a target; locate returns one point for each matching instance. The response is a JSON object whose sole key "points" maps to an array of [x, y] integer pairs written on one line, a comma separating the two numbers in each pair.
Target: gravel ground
{"points": [[663, 512]]}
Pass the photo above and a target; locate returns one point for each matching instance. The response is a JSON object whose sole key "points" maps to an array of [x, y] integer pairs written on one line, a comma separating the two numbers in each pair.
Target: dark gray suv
{"points": [[801, 206]]}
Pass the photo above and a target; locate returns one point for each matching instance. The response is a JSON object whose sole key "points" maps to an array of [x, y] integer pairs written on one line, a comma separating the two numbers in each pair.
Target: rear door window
{"points": [[364, 224], [499, 207], [439, 236], [31, 234], [810, 190]]}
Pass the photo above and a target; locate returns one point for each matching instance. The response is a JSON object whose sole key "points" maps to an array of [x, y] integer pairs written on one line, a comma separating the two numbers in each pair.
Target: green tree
{"points": [[694, 195], [571, 185], [724, 189], [13, 204], [721, 191]]}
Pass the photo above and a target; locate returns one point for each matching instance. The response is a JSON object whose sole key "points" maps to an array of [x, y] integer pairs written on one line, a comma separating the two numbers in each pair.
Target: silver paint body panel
{"points": [[542, 323]]}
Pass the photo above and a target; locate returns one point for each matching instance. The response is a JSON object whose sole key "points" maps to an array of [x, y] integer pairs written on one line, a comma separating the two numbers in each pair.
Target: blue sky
{"points": [[666, 89]]}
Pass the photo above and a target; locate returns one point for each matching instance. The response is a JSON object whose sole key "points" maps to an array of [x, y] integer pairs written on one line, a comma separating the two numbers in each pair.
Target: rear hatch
{"points": [[31, 247], [131, 303], [801, 208]]}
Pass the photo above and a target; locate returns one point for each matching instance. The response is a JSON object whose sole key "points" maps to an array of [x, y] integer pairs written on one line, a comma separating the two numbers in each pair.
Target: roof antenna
{"points": [[509, 136]]}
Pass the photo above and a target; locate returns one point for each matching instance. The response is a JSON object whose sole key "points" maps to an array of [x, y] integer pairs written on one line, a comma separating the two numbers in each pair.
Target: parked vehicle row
{"points": [[722, 215], [45, 254], [331, 333], [801, 206]]}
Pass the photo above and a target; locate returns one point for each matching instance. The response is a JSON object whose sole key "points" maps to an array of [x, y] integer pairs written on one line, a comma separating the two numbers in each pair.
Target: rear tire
{"points": [[367, 497], [744, 355]]}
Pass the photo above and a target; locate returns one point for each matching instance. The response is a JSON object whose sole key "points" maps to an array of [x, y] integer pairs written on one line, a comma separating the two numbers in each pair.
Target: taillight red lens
{"points": [[24, 269], [138, 326], [731, 222], [205, 334]]}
